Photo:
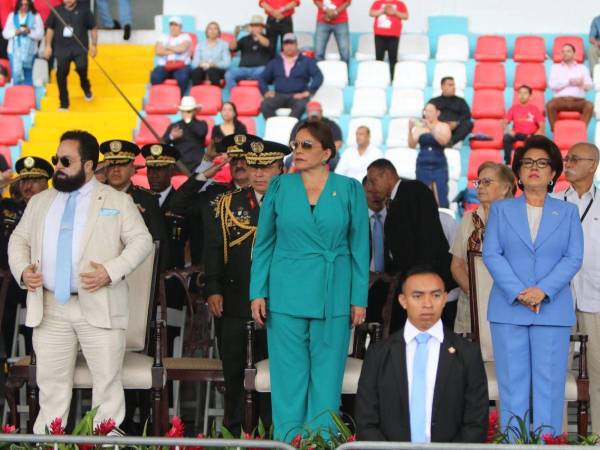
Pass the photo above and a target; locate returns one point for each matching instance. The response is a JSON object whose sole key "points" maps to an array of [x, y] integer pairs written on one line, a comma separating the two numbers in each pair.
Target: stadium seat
{"points": [[18, 100], [163, 99], [537, 99], [414, 47], [178, 180], [366, 48], [566, 115], [194, 38], [456, 70], [158, 123], [227, 37], [5, 151], [331, 99], [373, 74], [407, 103], [404, 160], [141, 180], [372, 123], [488, 104], [246, 99], [454, 163], [208, 98], [248, 83], [490, 127], [249, 122], [397, 133], [531, 74], [569, 132], [452, 47], [575, 41], [335, 73], [278, 129], [489, 75], [479, 157], [332, 52], [369, 102], [490, 49], [561, 185], [11, 130], [410, 74], [530, 49], [305, 41], [597, 77]]}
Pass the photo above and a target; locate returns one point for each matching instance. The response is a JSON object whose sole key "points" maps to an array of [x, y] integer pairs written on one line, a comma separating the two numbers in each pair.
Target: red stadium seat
{"points": [[246, 100], [537, 99], [5, 151], [569, 132], [565, 115], [249, 122], [194, 38], [178, 180], [18, 100], [210, 122], [248, 83], [479, 157], [163, 99], [11, 130], [561, 185], [530, 49], [575, 41], [208, 97], [488, 104], [490, 49], [489, 76], [158, 123], [227, 37], [531, 74], [141, 180], [492, 128]]}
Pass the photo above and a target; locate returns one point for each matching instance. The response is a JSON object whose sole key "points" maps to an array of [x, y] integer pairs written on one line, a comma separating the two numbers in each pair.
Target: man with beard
{"points": [[228, 259], [72, 242], [33, 173]]}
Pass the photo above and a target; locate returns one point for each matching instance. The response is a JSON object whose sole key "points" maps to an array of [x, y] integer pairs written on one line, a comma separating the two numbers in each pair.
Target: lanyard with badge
{"points": [[587, 209], [68, 29]]}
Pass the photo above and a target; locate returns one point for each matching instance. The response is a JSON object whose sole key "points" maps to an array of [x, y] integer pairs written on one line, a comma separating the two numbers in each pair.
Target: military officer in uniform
{"points": [[228, 260], [33, 175]]}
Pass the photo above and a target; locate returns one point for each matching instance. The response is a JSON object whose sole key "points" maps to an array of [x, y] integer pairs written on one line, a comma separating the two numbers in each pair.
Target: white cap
{"points": [[176, 19]]}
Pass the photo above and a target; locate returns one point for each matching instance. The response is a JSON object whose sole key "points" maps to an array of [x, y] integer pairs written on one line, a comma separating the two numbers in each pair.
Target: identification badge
{"points": [[68, 32]]}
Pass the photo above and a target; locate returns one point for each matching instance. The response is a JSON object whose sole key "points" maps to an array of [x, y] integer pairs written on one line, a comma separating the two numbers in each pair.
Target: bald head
{"points": [[581, 164]]}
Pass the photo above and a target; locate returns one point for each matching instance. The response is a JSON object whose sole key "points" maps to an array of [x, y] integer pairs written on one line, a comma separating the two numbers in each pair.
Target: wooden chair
{"points": [[140, 371], [577, 385], [257, 377]]}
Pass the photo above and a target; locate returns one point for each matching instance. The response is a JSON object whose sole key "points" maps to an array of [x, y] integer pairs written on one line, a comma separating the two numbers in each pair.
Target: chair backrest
{"points": [[369, 102], [489, 75], [414, 47], [410, 74], [530, 49], [452, 47], [575, 41], [142, 284], [480, 282], [456, 70], [407, 103], [491, 49], [374, 74], [335, 73], [278, 129], [530, 74], [374, 125], [404, 160], [331, 99]]}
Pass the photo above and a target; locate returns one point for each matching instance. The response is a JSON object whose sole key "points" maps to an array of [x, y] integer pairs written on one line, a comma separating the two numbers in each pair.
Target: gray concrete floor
{"points": [[143, 12]]}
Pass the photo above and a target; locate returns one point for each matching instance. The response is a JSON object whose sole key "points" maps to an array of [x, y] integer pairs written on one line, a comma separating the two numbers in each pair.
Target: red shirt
{"points": [[388, 25], [276, 4], [340, 18], [526, 119]]}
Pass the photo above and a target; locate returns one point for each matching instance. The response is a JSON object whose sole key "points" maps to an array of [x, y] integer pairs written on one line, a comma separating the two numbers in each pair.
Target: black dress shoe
{"points": [[127, 32], [116, 25]]}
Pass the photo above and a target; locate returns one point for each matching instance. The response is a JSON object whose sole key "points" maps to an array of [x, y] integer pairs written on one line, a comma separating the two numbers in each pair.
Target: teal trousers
{"points": [[306, 372]]}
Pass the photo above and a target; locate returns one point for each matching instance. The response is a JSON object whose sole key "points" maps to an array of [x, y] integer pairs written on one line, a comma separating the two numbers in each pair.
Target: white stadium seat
{"points": [[596, 75], [456, 70], [437, 91], [366, 48], [597, 105], [597, 134], [369, 102], [452, 47], [410, 74], [278, 129], [374, 126], [454, 163], [407, 103], [414, 47], [331, 99], [332, 53], [335, 73], [373, 74], [397, 133], [404, 160]]}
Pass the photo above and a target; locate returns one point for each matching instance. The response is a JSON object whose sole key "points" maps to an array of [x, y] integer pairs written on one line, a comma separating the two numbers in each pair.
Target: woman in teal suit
{"points": [[310, 271]]}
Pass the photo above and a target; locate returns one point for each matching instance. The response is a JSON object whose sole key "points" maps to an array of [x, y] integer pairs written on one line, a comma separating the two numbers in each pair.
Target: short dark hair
{"points": [[322, 133], [444, 79], [421, 269], [524, 86], [572, 47], [546, 145], [383, 164], [89, 150]]}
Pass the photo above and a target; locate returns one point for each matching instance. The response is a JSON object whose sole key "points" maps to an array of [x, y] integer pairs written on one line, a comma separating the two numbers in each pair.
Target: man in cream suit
{"points": [[72, 250]]}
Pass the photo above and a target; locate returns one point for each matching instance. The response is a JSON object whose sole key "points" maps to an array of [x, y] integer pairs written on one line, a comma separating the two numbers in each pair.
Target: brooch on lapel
{"points": [[451, 350]]}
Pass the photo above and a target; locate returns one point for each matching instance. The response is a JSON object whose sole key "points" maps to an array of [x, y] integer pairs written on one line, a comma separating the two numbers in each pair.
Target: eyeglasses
{"points": [[483, 182], [575, 159], [65, 161], [305, 145], [541, 163]]}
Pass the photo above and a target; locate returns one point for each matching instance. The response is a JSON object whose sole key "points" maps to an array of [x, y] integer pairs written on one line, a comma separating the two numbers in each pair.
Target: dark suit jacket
{"points": [[460, 399]]}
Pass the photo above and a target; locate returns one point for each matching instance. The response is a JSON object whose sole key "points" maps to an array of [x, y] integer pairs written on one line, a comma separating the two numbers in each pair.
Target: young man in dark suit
{"points": [[413, 234], [424, 383]]}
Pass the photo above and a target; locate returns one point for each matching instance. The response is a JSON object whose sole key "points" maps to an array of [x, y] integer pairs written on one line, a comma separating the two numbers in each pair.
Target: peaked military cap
{"points": [[265, 153], [34, 167], [236, 145], [119, 151], [160, 155]]}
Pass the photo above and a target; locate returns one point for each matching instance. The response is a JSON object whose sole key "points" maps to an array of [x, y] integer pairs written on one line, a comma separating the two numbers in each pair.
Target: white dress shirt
{"points": [[395, 190], [163, 196], [586, 284], [354, 165], [433, 357], [52, 229], [372, 213]]}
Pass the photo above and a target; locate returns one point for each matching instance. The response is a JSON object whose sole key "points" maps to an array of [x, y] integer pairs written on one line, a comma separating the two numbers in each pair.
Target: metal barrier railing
{"points": [[361, 445]]}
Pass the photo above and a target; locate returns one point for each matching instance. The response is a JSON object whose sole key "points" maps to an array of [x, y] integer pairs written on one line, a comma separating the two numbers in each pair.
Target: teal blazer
{"points": [[312, 264]]}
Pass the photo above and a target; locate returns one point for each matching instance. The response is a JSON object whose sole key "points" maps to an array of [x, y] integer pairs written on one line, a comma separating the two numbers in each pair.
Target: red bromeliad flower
{"points": [[86, 446], [297, 441], [351, 438], [176, 428], [200, 436], [561, 439], [105, 427], [492, 426], [9, 429], [56, 427], [249, 437]]}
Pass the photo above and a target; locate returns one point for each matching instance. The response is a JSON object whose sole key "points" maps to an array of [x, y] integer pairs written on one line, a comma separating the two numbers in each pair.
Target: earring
{"points": [[551, 183], [520, 183]]}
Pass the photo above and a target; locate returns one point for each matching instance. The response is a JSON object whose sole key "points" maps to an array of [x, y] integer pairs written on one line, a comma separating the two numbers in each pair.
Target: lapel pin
{"points": [[451, 350], [334, 194]]}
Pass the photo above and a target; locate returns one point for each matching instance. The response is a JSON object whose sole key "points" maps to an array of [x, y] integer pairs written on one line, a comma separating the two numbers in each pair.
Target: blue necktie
{"points": [[418, 393], [62, 282], [378, 261]]}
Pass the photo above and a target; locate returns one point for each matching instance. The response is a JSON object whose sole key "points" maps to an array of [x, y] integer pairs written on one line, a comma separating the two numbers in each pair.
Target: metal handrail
{"points": [[362, 445]]}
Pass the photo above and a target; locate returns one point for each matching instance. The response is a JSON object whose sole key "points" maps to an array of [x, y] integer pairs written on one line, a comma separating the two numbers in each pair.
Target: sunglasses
{"points": [[65, 161], [305, 145]]}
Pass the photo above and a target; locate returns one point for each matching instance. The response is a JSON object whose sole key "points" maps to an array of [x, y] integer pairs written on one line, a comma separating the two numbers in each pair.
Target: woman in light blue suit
{"points": [[533, 246], [309, 281]]}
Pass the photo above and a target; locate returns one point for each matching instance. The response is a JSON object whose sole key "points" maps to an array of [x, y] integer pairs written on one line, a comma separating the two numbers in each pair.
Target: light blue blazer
{"points": [[516, 263]]}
